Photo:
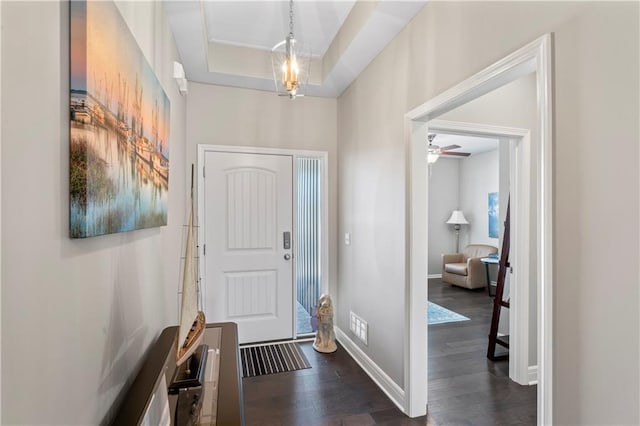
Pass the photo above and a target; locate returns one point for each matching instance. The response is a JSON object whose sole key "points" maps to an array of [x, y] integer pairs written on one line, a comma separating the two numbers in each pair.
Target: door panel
{"points": [[248, 208], [251, 293], [251, 205]]}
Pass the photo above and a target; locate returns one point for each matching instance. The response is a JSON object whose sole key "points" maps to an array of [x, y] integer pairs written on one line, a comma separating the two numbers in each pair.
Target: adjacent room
{"points": [[462, 282], [294, 212]]}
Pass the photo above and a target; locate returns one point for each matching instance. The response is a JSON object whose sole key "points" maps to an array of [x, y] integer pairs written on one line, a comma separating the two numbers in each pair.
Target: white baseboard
{"points": [[379, 377], [532, 378], [434, 276]]}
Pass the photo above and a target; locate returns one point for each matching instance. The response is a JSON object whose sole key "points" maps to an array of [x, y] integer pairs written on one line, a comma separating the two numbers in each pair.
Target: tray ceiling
{"points": [[228, 42]]}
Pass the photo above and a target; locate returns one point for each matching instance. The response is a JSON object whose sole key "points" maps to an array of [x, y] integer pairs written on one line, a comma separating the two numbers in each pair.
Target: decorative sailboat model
{"points": [[191, 355], [192, 320]]}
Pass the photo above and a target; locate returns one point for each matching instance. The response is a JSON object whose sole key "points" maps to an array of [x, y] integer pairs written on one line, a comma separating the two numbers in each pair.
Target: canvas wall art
{"points": [[119, 127], [493, 215]]}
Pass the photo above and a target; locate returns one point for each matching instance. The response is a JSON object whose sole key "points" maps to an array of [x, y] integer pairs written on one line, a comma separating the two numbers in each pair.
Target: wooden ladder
{"points": [[498, 303]]}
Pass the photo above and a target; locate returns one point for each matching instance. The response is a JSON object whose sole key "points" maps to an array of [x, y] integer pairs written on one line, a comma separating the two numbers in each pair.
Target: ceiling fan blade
{"points": [[450, 147], [457, 154]]}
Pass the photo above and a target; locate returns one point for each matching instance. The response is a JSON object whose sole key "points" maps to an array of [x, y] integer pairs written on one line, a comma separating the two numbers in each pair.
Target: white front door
{"points": [[247, 223]]}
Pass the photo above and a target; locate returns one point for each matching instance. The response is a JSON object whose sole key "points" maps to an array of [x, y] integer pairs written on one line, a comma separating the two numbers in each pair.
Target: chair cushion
{"points": [[478, 250], [456, 268]]}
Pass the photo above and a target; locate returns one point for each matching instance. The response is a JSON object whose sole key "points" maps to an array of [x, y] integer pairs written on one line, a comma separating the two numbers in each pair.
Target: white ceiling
{"points": [[471, 144], [228, 42], [262, 24]]}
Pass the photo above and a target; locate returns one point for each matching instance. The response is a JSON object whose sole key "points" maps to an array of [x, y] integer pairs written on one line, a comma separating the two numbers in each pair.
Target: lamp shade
{"points": [[457, 218]]}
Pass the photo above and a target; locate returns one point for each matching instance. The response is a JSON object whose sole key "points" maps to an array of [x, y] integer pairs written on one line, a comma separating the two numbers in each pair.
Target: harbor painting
{"points": [[493, 215], [119, 127]]}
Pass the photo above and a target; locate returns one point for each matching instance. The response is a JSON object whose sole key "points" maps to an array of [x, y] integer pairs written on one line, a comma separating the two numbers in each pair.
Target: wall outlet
{"points": [[359, 327], [347, 239]]}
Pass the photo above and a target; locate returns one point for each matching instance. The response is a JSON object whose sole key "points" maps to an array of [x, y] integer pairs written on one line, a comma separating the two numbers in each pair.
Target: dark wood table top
{"points": [[161, 359]]}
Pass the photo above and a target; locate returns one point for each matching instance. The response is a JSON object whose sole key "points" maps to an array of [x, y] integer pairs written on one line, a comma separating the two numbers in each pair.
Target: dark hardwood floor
{"points": [[335, 391], [464, 387]]}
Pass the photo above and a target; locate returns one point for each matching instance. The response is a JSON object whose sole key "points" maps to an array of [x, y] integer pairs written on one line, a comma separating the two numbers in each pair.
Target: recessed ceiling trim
{"points": [[355, 22], [244, 61], [364, 32], [262, 24]]}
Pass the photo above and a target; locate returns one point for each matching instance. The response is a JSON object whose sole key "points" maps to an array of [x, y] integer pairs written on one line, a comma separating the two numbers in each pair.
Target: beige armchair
{"points": [[465, 269]]}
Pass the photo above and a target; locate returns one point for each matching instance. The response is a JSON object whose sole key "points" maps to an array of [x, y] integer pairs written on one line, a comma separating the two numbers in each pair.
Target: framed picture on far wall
{"points": [[493, 215], [119, 127]]}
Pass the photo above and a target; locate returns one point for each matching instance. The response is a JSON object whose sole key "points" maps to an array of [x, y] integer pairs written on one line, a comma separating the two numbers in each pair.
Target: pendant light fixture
{"points": [[290, 64]]}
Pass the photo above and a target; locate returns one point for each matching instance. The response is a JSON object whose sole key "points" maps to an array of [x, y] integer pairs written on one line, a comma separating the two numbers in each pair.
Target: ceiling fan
{"points": [[436, 151]]}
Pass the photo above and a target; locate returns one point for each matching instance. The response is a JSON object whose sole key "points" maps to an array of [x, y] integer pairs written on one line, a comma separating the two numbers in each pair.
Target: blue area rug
{"points": [[439, 315]]}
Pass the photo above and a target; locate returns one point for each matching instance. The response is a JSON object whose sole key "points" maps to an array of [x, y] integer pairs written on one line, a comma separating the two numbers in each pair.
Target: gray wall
{"points": [[596, 100], [479, 175], [512, 105], [443, 199], [77, 315]]}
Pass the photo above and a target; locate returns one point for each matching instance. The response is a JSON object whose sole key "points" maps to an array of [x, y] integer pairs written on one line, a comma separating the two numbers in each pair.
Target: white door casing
{"points": [[248, 207], [536, 56]]}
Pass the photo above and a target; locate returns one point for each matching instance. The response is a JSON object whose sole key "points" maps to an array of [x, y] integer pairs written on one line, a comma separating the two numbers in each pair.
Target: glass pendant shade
{"points": [[290, 70], [432, 158], [291, 63]]}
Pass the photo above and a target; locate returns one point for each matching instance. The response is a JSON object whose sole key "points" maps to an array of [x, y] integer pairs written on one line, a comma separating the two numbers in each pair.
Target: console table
{"points": [[159, 367]]}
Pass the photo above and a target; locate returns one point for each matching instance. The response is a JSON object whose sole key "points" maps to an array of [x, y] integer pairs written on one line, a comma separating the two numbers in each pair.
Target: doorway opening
{"points": [[514, 180], [534, 57]]}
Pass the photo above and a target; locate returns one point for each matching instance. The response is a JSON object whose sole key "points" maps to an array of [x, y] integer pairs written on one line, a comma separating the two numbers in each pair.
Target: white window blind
{"points": [[308, 249]]}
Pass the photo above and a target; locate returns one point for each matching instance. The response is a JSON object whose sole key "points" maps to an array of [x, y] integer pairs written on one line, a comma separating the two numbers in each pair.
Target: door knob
{"points": [[287, 256]]}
